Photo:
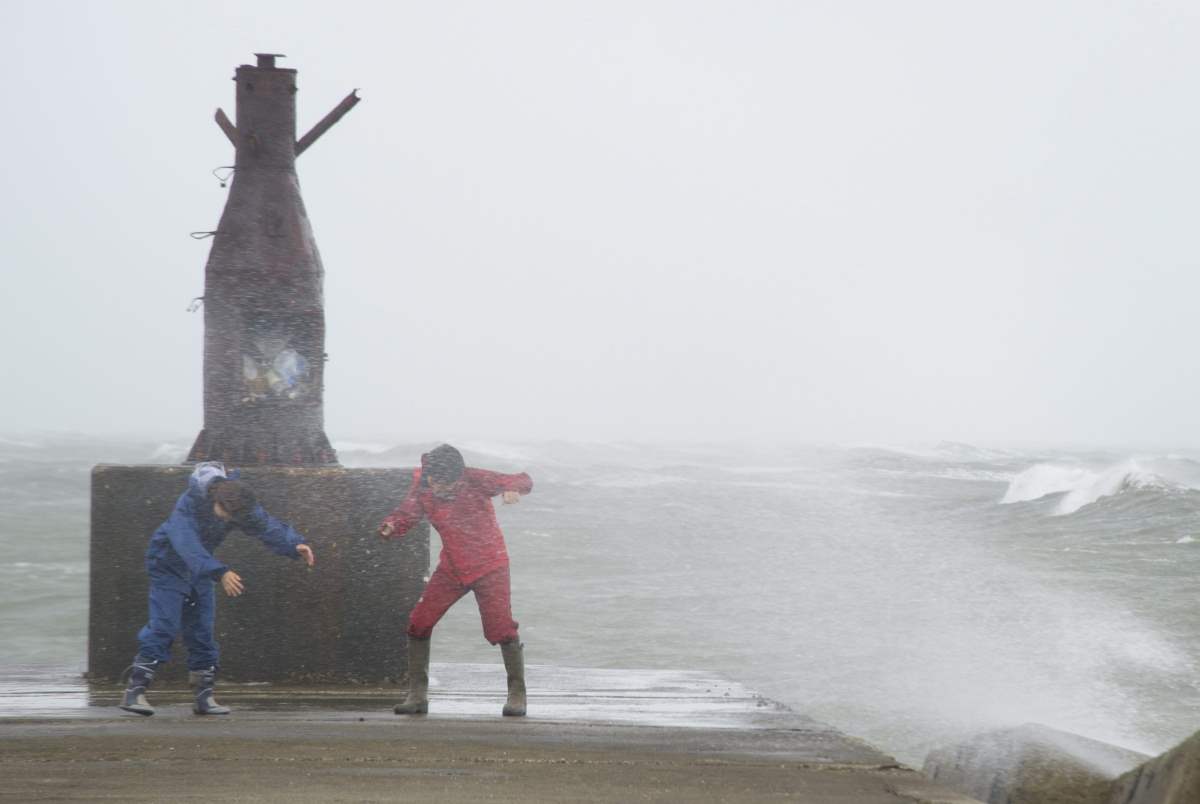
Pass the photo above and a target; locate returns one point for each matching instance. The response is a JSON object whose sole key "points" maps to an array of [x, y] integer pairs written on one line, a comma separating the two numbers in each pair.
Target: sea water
{"points": [[906, 596]]}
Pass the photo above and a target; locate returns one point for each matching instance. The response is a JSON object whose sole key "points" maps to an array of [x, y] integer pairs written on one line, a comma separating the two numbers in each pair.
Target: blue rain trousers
{"points": [[177, 606]]}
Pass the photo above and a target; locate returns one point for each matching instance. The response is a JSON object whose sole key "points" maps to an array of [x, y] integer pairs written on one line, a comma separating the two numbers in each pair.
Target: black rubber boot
{"points": [[203, 682], [514, 662], [417, 701], [139, 681]]}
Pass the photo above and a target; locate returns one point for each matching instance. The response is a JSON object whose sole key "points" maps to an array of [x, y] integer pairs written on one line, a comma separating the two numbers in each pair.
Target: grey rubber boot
{"points": [[417, 701], [514, 662], [202, 682], [134, 699]]}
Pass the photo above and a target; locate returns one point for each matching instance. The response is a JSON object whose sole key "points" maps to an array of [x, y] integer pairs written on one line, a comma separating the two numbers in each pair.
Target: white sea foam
{"points": [[951, 473], [361, 446], [769, 484], [909, 450], [28, 567], [630, 481], [496, 449], [1083, 485], [969, 452], [1044, 479], [169, 453], [987, 475], [943, 450], [22, 443]]}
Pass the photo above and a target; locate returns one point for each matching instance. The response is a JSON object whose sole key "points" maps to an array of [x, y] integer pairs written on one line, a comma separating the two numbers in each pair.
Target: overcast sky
{"points": [[843, 221]]}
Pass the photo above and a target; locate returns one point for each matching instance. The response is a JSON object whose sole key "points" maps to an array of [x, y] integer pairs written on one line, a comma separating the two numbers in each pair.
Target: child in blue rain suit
{"points": [[183, 573]]}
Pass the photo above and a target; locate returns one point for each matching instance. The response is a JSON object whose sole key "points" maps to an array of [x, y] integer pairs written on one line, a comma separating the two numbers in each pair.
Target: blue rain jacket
{"points": [[184, 544]]}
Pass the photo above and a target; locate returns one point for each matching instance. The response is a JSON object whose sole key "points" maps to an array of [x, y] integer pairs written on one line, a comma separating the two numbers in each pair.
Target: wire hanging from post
{"points": [[225, 179]]}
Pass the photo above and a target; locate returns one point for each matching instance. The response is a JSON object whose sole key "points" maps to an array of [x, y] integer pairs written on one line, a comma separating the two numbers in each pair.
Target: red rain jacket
{"points": [[472, 544]]}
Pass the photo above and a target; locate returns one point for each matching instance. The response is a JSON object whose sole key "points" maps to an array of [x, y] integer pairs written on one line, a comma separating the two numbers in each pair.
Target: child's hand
{"points": [[306, 553], [511, 497], [386, 531], [231, 582]]}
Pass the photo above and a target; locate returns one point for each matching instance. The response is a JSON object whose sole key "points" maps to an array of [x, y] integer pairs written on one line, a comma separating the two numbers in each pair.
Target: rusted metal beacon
{"points": [[264, 315]]}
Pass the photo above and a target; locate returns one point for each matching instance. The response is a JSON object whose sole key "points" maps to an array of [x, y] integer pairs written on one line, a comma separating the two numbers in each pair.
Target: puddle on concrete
{"points": [[678, 698]]}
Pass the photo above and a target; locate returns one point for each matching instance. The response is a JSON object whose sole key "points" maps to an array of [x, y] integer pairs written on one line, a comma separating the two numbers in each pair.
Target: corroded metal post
{"points": [[264, 317]]}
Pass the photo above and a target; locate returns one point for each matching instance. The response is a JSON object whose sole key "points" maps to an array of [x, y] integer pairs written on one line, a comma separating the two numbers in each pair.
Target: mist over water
{"points": [[905, 596]]}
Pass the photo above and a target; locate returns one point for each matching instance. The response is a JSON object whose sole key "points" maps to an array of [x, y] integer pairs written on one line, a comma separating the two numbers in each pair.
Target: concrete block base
{"points": [[341, 622]]}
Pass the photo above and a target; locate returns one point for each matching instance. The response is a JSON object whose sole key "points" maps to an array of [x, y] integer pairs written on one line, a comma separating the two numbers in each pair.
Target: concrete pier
{"points": [[591, 735]]}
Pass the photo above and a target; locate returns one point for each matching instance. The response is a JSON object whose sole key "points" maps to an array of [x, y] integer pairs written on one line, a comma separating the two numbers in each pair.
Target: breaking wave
{"points": [[950, 451], [168, 452], [369, 447], [630, 481], [1082, 485]]}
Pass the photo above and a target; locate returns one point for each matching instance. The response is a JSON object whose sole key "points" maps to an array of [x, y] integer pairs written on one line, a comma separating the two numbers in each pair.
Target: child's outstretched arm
{"points": [[185, 540], [408, 513], [511, 486], [280, 537]]}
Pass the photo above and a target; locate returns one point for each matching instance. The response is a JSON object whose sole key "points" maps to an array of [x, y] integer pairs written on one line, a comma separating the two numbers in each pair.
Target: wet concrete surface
{"points": [[591, 735]]}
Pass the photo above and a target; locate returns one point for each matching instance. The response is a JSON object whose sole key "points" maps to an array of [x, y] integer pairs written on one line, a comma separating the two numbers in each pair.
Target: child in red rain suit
{"points": [[457, 501]]}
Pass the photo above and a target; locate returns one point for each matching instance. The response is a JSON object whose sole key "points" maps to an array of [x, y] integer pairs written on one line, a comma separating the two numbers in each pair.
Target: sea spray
{"points": [[886, 592]]}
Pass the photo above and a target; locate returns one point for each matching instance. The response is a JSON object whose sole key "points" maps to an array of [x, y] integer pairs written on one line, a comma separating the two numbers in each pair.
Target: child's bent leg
{"points": [[514, 665], [494, 596], [199, 616], [416, 702], [154, 643], [442, 592], [166, 616], [140, 677]]}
